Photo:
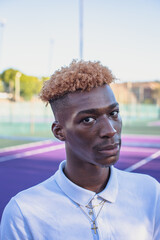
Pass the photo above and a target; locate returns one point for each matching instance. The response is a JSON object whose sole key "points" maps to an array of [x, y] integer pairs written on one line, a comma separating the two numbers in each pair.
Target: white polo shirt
{"points": [[51, 211]]}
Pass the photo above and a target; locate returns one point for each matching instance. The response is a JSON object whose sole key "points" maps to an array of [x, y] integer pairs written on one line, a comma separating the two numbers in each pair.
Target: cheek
{"points": [[80, 144], [80, 137]]}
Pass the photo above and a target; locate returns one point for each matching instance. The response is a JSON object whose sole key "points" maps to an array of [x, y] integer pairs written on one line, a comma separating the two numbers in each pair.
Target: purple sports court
{"points": [[26, 165]]}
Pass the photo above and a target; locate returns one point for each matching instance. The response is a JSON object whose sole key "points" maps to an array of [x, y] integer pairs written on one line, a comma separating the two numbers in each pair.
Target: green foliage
{"points": [[1, 86], [44, 79], [29, 85], [8, 77]]}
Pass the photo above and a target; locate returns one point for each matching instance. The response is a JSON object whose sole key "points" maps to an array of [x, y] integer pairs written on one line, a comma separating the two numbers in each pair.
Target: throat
{"points": [[94, 180]]}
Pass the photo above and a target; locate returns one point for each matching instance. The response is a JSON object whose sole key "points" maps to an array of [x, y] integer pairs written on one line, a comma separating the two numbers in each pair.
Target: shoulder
{"points": [[137, 177], [23, 207], [27, 203], [34, 197], [45, 189], [140, 183]]}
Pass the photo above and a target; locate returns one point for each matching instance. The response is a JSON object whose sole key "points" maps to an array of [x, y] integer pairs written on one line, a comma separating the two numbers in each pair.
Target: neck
{"points": [[88, 176]]}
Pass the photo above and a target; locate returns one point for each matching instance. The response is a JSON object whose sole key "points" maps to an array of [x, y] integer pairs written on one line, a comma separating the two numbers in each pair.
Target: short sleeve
{"points": [[13, 226]]}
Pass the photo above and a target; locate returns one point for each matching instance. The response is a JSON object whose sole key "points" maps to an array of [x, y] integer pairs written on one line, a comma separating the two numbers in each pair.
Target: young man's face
{"points": [[92, 127]]}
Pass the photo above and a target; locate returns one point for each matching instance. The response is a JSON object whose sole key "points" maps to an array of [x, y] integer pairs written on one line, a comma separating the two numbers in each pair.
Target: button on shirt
{"points": [[52, 210]]}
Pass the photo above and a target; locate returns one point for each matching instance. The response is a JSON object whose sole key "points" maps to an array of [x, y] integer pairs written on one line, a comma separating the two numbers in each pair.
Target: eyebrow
{"points": [[96, 110]]}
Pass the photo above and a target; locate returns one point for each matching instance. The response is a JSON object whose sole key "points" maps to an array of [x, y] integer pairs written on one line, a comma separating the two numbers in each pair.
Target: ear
{"points": [[58, 131]]}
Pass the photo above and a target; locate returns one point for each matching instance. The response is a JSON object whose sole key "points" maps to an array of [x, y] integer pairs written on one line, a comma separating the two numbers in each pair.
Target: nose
{"points": [[106, 128]]}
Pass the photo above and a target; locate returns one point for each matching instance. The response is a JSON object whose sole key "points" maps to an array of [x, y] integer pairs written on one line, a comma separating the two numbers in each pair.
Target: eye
{"points": [[88, 120], [114, 113]]}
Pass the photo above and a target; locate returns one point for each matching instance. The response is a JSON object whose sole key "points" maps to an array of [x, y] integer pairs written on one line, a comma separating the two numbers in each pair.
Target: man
{"points": [[87, 198]]}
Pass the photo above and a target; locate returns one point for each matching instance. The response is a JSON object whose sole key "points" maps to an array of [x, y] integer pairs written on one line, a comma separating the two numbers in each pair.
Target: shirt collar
{"points": [[83, 196], [110, 192]]}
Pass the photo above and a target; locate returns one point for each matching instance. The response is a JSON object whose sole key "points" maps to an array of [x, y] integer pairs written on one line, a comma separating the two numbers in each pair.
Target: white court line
{"points": [[142, 162], [32, 152], [26, 145]]}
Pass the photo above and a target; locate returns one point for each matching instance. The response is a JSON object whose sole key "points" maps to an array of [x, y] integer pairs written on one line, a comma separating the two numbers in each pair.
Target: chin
{"points": [[107, 162]]}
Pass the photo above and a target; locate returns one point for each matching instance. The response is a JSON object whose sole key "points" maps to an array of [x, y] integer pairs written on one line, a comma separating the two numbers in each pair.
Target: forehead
{"points": [[100, 97]]}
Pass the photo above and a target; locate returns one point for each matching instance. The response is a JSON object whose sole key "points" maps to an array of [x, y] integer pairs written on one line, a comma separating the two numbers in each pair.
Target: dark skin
{"points": [[90, 125]]}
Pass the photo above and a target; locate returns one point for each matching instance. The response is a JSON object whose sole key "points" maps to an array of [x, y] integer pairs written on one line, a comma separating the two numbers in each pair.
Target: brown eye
{"points": [[115, 113], [88, 120]]}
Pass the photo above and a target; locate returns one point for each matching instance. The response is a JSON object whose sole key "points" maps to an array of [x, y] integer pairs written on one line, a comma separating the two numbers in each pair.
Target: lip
{"points": [[111, 149]]}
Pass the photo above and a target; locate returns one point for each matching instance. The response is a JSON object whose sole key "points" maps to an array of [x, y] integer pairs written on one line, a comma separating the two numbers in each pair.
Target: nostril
{"points": [[107, 131]]}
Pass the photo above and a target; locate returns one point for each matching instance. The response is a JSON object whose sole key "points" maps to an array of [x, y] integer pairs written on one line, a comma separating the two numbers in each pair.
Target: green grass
{"points": [[9, 142], [9, 133]]}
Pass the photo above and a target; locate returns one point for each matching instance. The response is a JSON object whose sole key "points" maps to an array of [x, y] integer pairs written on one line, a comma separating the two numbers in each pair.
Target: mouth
{"points": [[110, 150]]}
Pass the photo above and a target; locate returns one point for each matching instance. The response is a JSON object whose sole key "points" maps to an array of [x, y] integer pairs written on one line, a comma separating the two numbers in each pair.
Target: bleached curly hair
{"points": [[78, 76]]}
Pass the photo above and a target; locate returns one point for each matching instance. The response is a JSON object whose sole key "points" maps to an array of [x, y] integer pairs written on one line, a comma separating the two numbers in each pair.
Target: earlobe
{"points": [[58, 131]]}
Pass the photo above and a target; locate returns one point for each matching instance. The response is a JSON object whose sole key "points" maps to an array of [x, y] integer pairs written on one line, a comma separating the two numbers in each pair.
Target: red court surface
{"points": [[24, 166]]}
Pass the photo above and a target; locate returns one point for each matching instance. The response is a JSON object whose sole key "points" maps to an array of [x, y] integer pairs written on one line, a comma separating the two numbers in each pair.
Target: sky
{"points": [[40, 36]]}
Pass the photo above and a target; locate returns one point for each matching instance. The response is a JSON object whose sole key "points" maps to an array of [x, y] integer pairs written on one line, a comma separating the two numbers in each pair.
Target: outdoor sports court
{"points": [[26, 165]]}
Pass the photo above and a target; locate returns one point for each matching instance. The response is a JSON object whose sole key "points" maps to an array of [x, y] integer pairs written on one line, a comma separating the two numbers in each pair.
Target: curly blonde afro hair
{"points": [[78, 76]]}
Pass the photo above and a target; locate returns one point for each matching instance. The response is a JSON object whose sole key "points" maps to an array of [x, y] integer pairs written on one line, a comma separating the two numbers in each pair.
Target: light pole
{"points": [[81, 29], [17, 86], [50, 60]]}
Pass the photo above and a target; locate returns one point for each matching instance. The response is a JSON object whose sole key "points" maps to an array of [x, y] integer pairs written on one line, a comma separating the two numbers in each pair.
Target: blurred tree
{"points": [[8, 77], [29, 85], [44, 79], [1, 86]]}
